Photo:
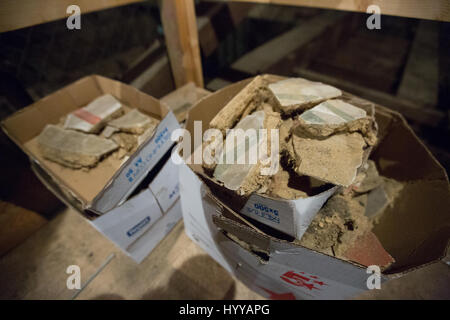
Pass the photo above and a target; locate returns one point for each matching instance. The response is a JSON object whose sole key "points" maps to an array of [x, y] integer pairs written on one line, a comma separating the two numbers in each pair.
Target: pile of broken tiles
{"points": [[89, 134]]}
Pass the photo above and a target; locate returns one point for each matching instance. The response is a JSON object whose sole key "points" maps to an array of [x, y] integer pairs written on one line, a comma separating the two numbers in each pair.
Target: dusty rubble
{"points": [[325, 138], [109, 129], [325, 141], [347, 219]]}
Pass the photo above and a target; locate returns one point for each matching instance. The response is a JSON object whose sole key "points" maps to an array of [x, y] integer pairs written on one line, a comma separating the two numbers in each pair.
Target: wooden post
{"points": [[180, 31]]}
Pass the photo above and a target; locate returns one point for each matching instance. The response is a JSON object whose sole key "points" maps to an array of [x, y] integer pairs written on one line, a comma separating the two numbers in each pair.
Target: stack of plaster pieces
{"points": [[90, 134], [325, 139]]}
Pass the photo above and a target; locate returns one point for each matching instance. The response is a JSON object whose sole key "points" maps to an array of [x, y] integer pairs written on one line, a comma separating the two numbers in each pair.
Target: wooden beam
{"points": [[431, 10], [17, 14], [271, 52], [180, 31], [420, 77]]}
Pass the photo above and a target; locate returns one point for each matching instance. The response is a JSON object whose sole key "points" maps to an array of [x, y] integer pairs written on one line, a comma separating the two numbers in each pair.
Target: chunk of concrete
{"points": [[335, 159], [300, 94], [134, 122], [73, 149], [93, 117]]}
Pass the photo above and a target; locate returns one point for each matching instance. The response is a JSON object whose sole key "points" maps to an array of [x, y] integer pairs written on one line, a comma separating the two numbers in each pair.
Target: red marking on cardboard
{"points": [[302, 281]]}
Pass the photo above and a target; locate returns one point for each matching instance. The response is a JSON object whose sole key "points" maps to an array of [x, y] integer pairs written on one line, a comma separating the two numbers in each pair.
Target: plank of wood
{"points": [[274, 50], [180, 30], [217, 22], [409, 109], [431, 10], [420, 79], [17, 14]]}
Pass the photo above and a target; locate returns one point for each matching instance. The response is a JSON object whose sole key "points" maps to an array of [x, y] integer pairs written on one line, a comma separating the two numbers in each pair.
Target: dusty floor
{"points": [[176, 269]]}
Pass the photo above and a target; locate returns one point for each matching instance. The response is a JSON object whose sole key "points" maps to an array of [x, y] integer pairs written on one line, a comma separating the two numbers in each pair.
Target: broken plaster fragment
{"points": [[333, 112], [93, 117], [73, 149], [243, 174], [233, 174], [134, 122], [244, 103], [300, 94], [334, 159]]}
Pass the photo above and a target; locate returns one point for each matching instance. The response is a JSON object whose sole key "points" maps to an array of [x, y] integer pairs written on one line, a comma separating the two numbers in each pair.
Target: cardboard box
{"points": [[106, 194], [415, 230]]}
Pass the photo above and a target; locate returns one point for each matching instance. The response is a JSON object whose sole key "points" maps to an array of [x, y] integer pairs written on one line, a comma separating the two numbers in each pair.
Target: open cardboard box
{"points": [[415, 230], [102, 194]]}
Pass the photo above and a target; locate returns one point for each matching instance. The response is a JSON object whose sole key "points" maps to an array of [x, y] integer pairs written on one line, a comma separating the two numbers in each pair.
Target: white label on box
{"points": [[277, 214], [165, 186], [137, 167], [124, 224], [292, 217]]}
